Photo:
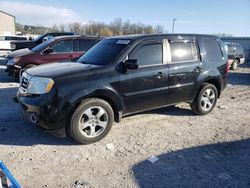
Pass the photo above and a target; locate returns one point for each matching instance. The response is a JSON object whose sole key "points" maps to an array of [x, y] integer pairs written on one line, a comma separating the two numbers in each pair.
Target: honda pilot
{"points": [[124, 75]]}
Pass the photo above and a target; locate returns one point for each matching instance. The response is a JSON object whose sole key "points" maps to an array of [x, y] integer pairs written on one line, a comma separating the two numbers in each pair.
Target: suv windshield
{"points": [[41, 46], [104, 52]]}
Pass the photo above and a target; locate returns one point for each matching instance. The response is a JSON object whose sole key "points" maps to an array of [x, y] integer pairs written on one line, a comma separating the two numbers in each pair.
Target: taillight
{"points": [[227, 67], [13, 46]]}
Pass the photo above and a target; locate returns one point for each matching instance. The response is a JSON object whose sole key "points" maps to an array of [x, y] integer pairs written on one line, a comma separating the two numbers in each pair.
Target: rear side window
{"points": [[85, 45], [63, 46], [183, 51], [148, 54], [213, 49]]}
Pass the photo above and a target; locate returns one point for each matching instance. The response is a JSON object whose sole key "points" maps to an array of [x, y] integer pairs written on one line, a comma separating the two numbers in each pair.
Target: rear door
{"points": [[185, 66], [145, 87], [63, 50]]}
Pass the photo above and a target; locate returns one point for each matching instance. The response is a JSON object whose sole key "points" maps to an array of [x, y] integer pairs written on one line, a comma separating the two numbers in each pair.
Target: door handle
{"points": [[198, 69], [70, 56], [160, 74]]}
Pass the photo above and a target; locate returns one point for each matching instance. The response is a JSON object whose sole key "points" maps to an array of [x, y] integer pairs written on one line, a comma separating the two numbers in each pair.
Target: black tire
{"points": [[84, 136], [198, 104], [235, 64]]}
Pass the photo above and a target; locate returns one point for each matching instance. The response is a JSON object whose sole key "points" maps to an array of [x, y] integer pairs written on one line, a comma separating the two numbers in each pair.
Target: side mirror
{"points": [[129, 64], [48, 51]]}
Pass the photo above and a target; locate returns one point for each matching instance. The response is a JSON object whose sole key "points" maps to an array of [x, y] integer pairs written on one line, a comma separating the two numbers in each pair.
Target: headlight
{"points": [[39, 85], [13, 61]]}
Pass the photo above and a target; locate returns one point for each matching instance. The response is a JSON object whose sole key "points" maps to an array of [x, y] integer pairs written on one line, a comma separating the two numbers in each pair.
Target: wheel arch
{"points": [[214, 82], [109, 96]]}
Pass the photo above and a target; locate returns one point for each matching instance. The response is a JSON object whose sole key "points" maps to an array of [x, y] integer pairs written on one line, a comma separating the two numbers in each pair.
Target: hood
{"points": [[54, 70], [18, 53]]}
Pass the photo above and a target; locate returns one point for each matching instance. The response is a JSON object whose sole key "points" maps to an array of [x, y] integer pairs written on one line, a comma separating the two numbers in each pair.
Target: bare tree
{"points": [[159, 29], [116, 26]]}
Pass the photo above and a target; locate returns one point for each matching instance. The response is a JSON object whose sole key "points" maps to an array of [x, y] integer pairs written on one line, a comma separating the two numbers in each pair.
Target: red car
{"points": [[64, 48]]}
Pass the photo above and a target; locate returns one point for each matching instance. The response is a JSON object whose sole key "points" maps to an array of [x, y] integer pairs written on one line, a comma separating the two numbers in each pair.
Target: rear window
{"points": [[12, 38], [239, 49], [183, 51], [213, 49]]}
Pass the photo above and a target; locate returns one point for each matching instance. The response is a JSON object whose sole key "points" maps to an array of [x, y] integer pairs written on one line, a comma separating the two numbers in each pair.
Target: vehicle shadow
{"points": [[15, 130], [239, 78], [172, 111], [215, 165]]}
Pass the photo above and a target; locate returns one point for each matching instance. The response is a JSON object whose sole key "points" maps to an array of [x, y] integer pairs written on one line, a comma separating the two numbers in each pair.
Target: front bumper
{"points": [[12, 69], [41, 112]]}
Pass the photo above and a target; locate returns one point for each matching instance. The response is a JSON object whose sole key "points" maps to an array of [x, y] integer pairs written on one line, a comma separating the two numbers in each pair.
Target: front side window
{"points": [[63, 46], [148, 54], [213, 49], [183, 51]]}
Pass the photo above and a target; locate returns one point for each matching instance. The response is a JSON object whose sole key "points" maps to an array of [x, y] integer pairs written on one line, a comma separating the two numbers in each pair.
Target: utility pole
{"points": [[173, 25]]}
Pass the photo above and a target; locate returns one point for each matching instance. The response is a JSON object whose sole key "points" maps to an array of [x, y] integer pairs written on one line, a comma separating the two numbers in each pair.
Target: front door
{"points": [[146, 87], [62, 51]]}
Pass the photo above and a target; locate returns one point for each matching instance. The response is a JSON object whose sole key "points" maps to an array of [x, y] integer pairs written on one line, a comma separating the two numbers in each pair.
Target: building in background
{"points": [[7, 24], [243, 41]]}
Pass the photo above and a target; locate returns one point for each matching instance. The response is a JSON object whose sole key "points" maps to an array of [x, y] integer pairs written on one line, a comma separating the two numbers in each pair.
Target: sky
{"points": [[192, 16]]}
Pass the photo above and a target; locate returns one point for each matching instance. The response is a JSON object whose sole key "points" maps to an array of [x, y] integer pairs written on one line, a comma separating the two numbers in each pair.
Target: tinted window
{"points": [[42, 46], [15, 38], [239, 49], [231, 49], [12, 38], [63, 46], [213, 49], [150, 54], [85, 45], [104, 52], [183, 51]]}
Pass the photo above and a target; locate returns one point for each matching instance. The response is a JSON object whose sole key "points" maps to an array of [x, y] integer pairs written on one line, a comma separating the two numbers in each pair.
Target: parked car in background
{"points": [[121, 76], [16, 45], [236, 55], [5, 43], [64, 48]]}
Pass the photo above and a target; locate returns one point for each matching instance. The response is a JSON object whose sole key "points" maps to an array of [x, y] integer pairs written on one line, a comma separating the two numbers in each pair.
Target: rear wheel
{"points": [[91, 121], [205, 102], [235, 64]]}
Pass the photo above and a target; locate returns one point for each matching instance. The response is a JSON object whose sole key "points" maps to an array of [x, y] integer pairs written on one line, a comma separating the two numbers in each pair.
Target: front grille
{"points": [[24, 82]]}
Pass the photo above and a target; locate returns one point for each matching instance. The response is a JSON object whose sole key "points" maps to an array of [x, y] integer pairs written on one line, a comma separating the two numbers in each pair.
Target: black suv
{"points": [[17, 45], [236, 55], [121, 76]]}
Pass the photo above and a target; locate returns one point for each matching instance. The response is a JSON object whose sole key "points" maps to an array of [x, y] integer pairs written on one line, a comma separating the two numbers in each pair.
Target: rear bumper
{"points": [[4, 53]]}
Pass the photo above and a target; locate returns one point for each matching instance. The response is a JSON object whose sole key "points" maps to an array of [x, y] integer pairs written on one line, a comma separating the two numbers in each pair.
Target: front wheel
{"points": [[91, 121], [205, 102]]}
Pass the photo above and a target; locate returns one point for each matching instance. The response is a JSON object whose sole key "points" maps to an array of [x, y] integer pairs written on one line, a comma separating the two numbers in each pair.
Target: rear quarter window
{"points": [[213, 49]]}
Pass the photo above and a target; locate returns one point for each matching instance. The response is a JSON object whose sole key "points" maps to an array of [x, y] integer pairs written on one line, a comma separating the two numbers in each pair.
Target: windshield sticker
{"points": [[122, 41]]}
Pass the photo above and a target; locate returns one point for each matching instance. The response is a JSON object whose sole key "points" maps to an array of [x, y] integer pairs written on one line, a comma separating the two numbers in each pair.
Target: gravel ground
{"points": [[192, 151]]}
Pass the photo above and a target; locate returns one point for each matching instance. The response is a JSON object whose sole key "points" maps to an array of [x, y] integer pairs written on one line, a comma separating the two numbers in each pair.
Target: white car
{"points": [[5, 44]]}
